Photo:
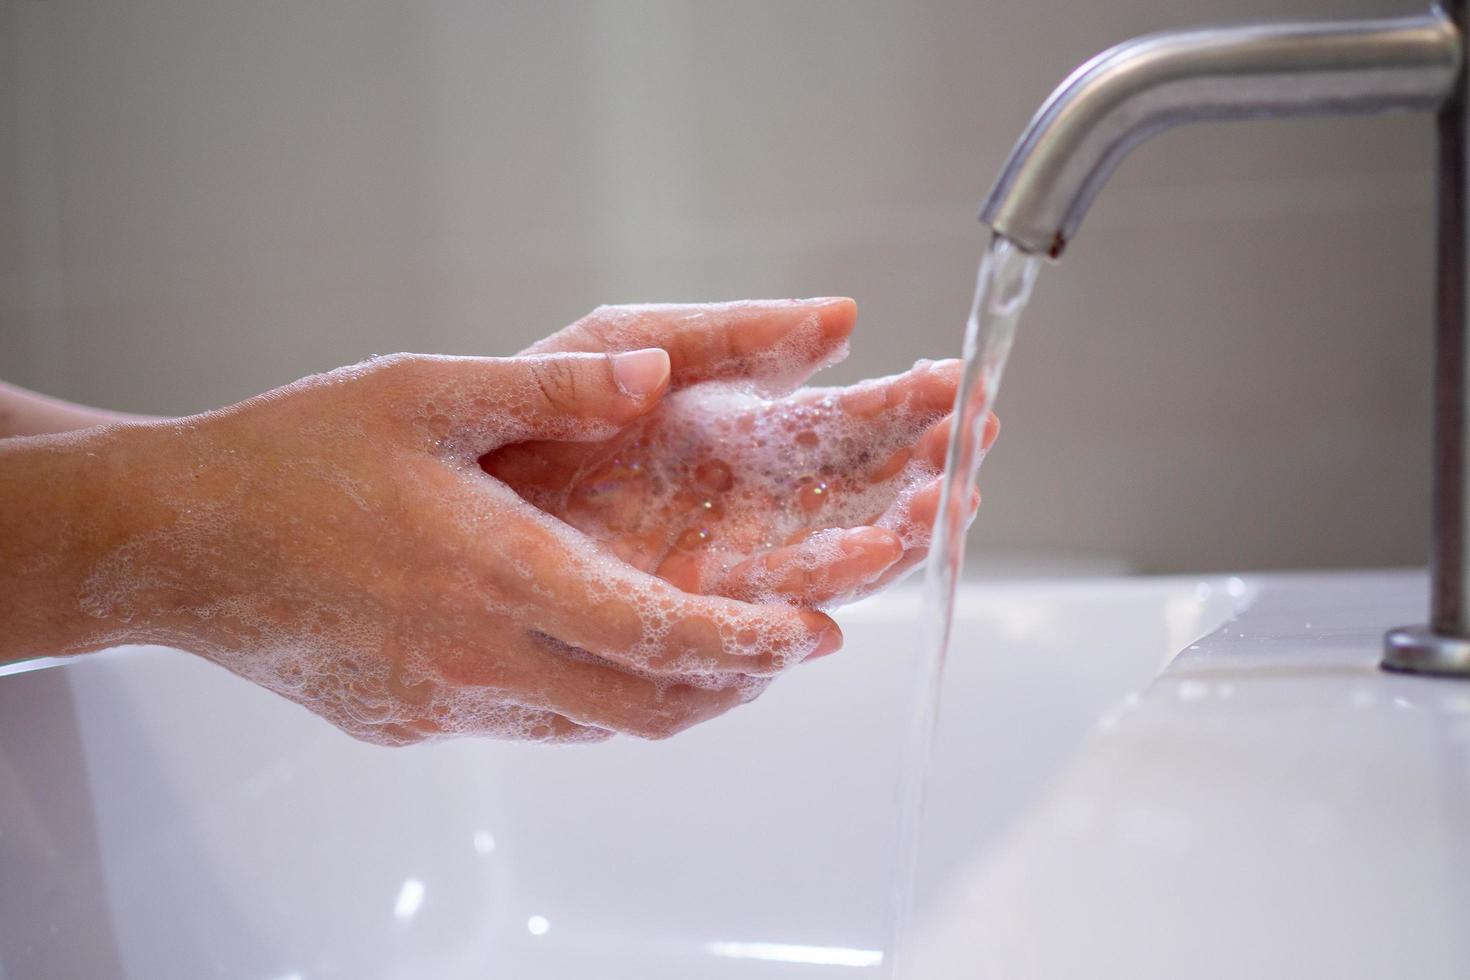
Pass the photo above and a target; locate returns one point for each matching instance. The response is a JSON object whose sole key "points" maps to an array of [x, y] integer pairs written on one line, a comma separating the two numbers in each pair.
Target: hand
{"points": [[335, 541], [29, 413], [816, 498]]}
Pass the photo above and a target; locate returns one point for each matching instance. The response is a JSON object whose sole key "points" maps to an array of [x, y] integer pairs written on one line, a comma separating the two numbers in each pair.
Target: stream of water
{"points": [[1002, 288]]}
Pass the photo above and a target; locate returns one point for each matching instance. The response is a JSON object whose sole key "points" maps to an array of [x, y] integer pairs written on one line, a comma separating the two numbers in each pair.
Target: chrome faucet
{"points": [[1141, 87]]}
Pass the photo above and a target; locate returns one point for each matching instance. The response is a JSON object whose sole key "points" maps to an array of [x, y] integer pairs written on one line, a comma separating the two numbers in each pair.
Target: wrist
{"points": [[78, 523]]}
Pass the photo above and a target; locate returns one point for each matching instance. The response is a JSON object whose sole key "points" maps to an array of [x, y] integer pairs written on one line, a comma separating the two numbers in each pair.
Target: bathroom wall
{"points": [[202, 199]]}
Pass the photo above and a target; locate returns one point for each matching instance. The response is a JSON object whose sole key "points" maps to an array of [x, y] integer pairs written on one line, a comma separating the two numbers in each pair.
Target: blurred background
{"points": [[201, 199]]}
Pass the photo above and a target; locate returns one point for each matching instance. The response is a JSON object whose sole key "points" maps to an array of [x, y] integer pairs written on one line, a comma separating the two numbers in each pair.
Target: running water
{"points": [[1001, 291]]}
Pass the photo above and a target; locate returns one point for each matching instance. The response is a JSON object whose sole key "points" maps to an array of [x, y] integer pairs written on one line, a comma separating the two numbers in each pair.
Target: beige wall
{"points": [[201, 199]]}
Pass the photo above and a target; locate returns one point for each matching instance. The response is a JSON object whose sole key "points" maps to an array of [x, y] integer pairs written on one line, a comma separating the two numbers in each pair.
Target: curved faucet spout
{"points": [[1152, 83]]}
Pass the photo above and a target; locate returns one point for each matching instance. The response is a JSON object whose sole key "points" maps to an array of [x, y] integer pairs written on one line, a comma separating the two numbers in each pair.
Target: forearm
{"points": [[28, 413], [67, 503]]}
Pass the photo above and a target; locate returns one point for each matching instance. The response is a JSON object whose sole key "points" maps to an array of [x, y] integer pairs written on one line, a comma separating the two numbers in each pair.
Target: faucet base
{"points": [[1418, 650]]}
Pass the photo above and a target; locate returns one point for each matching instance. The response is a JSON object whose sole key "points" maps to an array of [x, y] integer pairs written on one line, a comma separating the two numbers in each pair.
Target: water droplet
{"points": [[714, 475], [812, 495], [693, 539]]}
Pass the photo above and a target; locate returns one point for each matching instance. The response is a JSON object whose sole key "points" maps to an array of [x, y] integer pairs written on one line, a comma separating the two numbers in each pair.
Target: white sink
{"points": [[1274, 807], [160, 818]]}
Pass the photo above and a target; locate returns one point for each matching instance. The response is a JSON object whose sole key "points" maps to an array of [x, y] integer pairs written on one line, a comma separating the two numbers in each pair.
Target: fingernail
{"points": [[640, 373], [829, 637]]}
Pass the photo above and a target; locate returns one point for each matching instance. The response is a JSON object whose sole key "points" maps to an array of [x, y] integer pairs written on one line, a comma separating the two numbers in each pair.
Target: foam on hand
{"points": [[336, 542], [284, 561], [723, 472]]}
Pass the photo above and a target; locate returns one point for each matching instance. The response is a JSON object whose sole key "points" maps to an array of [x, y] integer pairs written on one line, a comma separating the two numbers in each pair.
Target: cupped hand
{"points": [[336, 542], [731, 485]]}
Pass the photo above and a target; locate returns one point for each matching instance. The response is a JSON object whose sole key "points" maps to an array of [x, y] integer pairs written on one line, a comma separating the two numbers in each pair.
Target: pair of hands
{"points": [[608, 533]]}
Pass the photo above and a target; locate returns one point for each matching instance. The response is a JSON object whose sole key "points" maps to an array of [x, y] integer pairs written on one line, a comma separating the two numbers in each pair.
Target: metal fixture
{"points": [[1142, 87]]}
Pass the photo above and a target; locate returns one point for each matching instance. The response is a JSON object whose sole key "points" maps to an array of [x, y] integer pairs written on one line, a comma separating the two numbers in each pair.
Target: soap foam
{"points": [[722, 472]]}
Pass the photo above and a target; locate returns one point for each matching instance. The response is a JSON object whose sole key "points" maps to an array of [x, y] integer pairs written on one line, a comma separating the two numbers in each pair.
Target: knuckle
{"points": [[558, 381], [395, 380]]}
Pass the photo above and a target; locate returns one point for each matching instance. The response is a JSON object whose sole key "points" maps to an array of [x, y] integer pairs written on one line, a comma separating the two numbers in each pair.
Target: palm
{"points": [[816, 497]]}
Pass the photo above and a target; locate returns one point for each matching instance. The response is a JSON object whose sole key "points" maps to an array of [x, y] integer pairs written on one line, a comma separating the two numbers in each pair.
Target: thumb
{"points": [[556, 392], [493, 401]]}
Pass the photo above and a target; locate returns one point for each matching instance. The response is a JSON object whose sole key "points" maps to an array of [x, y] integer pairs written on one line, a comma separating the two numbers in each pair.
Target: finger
{"points": [[602, 696], [911, 560], [650, 625], [923, 506], [891, 414], [817, 570], [933, 445], [922, 510], [569, 587], [588, 694], [641, 622], [478, 402], [928, 388], [785, 339]]}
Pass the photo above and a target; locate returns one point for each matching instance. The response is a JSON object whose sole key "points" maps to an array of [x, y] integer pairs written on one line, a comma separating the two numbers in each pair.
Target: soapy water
{"points": [[1002, 289]]}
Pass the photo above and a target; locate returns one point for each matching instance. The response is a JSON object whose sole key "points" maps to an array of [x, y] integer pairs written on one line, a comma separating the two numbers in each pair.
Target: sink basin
{"points": [[160, 818], [1274, 806]]}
